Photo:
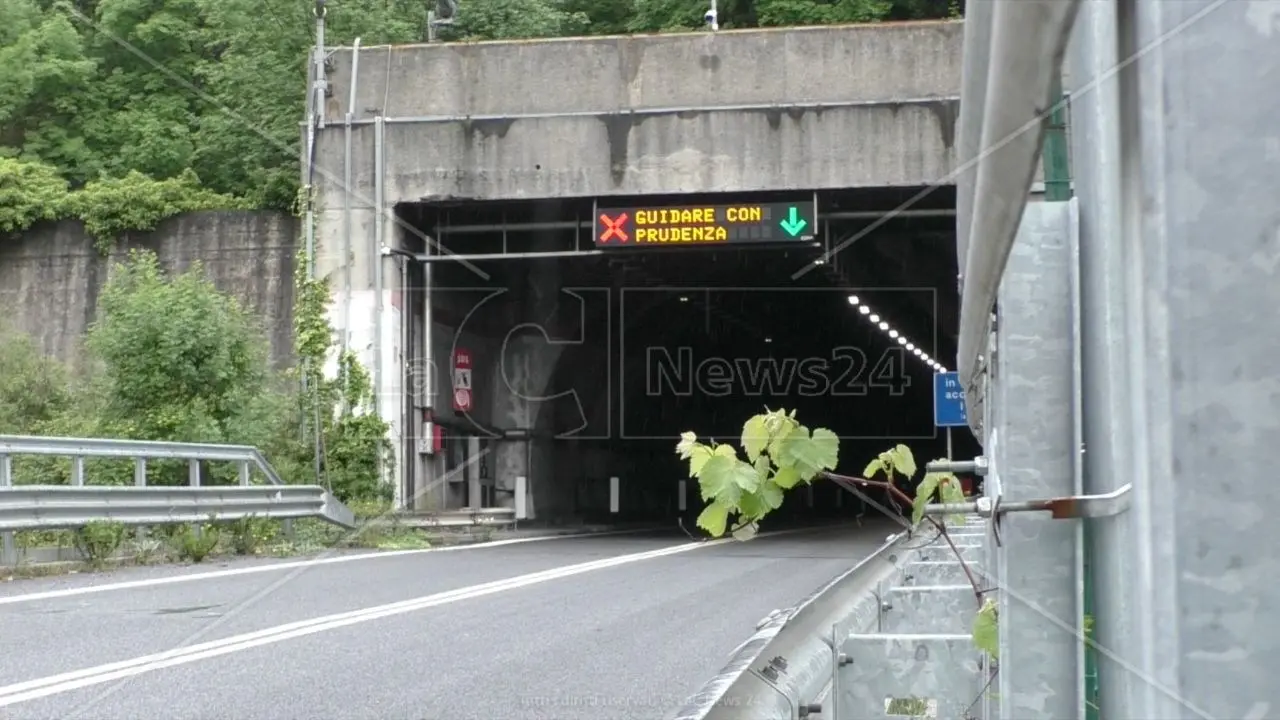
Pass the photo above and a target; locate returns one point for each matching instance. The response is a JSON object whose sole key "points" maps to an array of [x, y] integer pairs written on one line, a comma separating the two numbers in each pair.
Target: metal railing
{"points": [[55, 507], [885, 628]]}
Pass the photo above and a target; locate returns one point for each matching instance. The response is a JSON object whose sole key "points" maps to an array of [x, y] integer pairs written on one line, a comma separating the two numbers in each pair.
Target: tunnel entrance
{"points": [[585, 363]]}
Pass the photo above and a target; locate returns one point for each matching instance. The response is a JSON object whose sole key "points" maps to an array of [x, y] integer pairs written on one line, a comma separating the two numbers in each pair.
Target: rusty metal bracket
{"points": [[1078, 506]]}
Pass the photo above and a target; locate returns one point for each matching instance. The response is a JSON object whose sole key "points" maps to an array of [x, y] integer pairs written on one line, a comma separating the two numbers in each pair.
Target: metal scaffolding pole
{"points": [[1174, 171]]}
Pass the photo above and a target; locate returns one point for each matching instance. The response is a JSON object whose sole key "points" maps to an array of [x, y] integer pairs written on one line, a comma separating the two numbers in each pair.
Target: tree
{"points": [[34, 389], [181, 360], [96, 88]]}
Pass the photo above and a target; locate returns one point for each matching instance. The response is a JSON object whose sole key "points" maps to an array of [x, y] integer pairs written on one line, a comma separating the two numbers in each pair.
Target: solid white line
{"points": [[274, 567], [75, 680]]}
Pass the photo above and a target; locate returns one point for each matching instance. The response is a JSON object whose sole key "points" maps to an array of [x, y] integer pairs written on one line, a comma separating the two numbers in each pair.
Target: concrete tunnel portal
{"points": [[586, 363]]}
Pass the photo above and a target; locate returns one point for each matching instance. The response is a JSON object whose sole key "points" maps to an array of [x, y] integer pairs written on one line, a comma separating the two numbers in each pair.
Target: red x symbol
{"points": [[613, 226]]}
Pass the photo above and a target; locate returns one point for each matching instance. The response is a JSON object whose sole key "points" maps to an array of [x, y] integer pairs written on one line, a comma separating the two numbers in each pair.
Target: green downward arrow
{"points": [[794, 223]]}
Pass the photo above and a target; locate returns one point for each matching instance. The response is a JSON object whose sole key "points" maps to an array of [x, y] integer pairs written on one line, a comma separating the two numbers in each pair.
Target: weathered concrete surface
{"points": [[827, 65], [709, 150], [50, 276], [795, 108]]}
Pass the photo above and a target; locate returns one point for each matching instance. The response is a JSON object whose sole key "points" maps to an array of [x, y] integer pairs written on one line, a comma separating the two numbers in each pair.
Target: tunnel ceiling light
{"points": [[893, 334]]}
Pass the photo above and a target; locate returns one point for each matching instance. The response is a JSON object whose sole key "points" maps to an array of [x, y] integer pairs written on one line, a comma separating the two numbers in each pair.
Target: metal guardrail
{"points": [[56, 507], [465, 517], [1012, 58], [883, 633], [50, 507]]}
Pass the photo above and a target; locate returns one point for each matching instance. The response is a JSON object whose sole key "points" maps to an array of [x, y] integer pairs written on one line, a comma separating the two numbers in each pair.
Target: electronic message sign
{"points": [[675, 226]]}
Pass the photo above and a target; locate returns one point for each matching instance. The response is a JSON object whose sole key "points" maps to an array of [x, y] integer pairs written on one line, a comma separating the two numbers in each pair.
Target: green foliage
{"points": [[33, 191], [108, 88], [34, 389], [897, 460], [336, 413], [945, 485], [112, 206], [173, 358], [986, 628], [99, 540], [179, 359], [196, 542], [250, 534], [780, 454], [29, 192], [516, 19]]}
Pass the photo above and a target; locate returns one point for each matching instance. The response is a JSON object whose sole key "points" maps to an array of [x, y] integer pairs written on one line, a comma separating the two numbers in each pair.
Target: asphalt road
{"points": [[607, 628]]}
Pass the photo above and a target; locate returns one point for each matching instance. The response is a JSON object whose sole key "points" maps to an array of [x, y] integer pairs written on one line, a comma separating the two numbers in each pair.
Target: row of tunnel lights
{"points": [[865, 310], [884, 326]]}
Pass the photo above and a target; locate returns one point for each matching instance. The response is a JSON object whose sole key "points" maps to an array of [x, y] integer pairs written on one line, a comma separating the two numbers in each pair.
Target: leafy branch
{"points": [[780, 453]]}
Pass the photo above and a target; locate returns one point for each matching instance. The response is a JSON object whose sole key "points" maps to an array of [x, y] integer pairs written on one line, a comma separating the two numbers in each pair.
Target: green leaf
{"points": [[771, 494], [811, 454], [986, 629], [903, 461], [746, 476], [698, 457], [755, 436], [872, 468], [684, 448], [786, 477], [713, 519], [923, 494], [717, 482], [952, 494], [752, 506]]}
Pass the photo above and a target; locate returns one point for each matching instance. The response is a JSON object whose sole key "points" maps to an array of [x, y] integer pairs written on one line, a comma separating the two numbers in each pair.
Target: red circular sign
{"points": [[462, 399]]}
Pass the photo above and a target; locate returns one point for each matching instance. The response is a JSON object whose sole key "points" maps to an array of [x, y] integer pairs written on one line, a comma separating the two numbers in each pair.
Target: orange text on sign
{"points": [[692, 225]]}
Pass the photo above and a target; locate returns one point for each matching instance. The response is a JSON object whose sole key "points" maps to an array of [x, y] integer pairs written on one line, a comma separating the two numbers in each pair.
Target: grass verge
{"points": [[103, 546]]}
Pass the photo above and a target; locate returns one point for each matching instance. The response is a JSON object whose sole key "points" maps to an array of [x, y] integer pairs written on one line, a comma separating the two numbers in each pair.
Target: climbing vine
{"points": [[338, 423], [32, 192], [780, 454]]}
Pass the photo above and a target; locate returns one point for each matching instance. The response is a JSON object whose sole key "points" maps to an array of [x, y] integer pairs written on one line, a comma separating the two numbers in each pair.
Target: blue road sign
{"points": [[948, 401]]}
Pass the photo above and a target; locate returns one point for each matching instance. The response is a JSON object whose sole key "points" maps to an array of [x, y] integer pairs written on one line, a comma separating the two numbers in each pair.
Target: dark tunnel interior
{"points": [[658, 341]]}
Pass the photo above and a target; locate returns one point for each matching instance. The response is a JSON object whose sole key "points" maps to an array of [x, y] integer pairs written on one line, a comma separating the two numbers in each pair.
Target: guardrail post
{"points": [[242, 468], [522, 497], [77, 470], [193, 479], [8, 547], [140, 480]]}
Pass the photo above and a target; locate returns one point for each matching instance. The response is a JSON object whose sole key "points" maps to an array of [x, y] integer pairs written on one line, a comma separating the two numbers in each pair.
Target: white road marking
{"points": [[275, 567], [75, 680]]}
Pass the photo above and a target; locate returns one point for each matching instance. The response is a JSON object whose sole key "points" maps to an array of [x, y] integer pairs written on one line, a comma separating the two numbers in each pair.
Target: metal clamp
{"points": [[1076, 506], [977, 466]]}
